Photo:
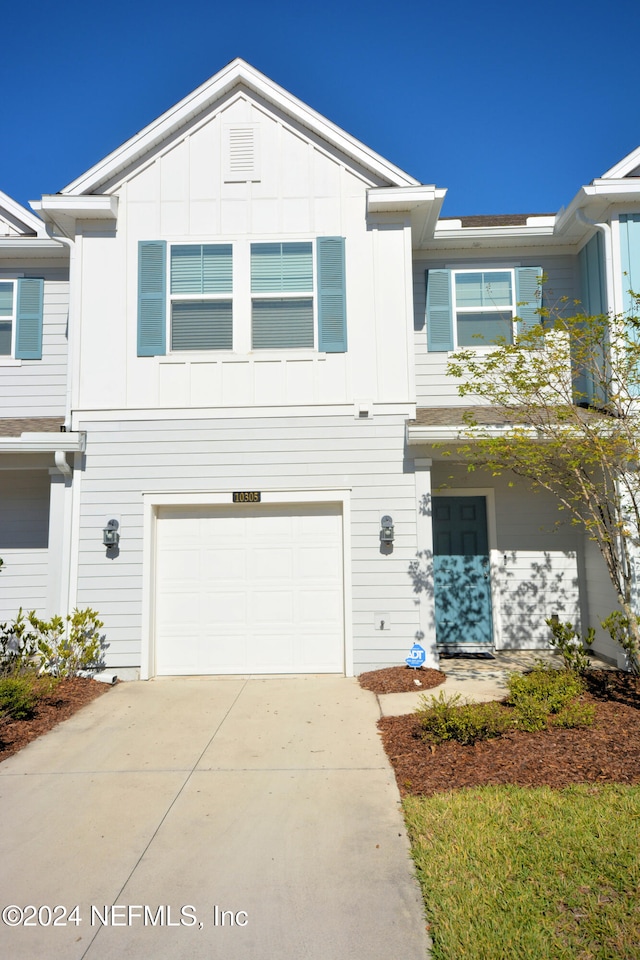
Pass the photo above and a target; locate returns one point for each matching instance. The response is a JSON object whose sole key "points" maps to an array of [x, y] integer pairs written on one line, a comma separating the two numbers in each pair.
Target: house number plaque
{"points": [[247, 496]]}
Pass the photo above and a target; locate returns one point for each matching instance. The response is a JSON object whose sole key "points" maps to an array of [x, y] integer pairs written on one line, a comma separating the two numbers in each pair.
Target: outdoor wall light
{"points": [[110, 535], [386, 533]]}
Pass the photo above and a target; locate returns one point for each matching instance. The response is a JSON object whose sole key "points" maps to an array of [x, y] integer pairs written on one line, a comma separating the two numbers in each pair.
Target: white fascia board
{"points": [[489, 234], [594, 200], [235, 73], [44, 443], [20, 213], [421, 434], [422, 203], [623, 167], [100, 207], [28, 247]]}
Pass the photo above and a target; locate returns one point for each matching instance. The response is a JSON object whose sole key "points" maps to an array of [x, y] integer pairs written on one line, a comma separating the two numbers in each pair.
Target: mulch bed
{"points": [[401, 679], [66, 698], [607, 752]]}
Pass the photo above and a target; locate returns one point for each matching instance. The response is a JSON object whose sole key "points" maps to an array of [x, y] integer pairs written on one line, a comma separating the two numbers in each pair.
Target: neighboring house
{"points": [[250, 368]]}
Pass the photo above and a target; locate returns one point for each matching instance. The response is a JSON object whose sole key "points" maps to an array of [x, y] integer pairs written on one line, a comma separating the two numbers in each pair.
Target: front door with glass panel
{"points": [[462, 584]]}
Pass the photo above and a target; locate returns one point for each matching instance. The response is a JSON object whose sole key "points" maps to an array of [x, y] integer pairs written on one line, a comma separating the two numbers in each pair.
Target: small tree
{"points": [[568, 390]]}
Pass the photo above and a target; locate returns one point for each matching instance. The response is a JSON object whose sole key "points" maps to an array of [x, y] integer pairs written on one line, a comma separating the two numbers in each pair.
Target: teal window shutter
{"points": [[630, 262], [593, 291], [439, 311], [29, 319], [528, 297], [332, 295], [593, 298], [152, 298], [630, 256]]}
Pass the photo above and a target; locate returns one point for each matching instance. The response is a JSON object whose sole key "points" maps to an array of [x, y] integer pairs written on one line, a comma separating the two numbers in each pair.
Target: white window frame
{"points": [[495, 310], [311, 295], [9, 358], [172, 298]]}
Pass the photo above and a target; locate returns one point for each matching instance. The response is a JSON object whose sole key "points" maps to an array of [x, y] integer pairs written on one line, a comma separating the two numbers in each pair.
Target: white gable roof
{"points": [[15, 221], [237, 73], [629, 166]]}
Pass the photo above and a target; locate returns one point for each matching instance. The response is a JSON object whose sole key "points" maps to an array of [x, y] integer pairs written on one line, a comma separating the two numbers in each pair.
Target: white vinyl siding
{"points": [[433, 386], [296, 452], [37, 388]]}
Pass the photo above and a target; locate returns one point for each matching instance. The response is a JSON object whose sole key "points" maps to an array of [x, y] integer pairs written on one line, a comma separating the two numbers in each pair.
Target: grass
{"points": [[509, 873]]}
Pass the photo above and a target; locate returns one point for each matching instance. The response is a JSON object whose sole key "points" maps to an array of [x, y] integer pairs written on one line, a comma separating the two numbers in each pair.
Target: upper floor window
{"points": [[200, 294], [282, 314], [21, 310], [294, 296], [484, 304], [477, 308], [7, 316]]}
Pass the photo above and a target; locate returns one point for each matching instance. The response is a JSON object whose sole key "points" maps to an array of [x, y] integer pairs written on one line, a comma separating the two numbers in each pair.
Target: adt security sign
{"points": [[417, 656]]}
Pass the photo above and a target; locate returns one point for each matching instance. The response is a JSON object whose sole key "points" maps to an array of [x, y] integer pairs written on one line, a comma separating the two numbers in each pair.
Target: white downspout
{"points": [[605, 229], [71, 325], [60, 459]]}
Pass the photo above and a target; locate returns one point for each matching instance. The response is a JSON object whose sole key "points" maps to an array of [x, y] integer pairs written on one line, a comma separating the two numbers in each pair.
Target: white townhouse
{"points": [[223, 359]]}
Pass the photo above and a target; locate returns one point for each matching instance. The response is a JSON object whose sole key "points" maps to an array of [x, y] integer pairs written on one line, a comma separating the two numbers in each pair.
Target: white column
{"points": [[423, 567], [59, 543]]}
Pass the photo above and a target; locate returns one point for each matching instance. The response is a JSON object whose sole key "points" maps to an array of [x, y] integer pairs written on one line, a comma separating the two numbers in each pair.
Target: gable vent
{"points": [[241, 153]]}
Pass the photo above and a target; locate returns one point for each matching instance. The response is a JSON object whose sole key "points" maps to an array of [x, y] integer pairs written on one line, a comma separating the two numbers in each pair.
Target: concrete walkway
{"points": [[268, 799]]}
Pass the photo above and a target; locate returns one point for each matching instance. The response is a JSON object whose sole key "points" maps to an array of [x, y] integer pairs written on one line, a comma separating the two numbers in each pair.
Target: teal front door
{"points": [[461, 574]]}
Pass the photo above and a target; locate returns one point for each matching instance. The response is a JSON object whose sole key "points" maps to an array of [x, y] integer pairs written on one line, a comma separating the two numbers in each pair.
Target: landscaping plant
{"points": [[566, 641]]}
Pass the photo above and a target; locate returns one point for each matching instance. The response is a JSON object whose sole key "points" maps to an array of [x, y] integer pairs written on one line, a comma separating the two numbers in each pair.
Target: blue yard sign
{"points": [[417, 656]]}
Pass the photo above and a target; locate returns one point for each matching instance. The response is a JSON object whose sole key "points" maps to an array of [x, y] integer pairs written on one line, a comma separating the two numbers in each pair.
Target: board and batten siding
{"points": [[24, 534], [304, 190], [37, 388], [296, 453], [536, 567], [433, 386]]}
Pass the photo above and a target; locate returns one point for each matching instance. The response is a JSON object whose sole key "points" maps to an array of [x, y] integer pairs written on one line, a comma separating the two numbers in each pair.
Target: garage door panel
{"points": [[257, 589], [272, 563], [224, 564], [224, 607]]}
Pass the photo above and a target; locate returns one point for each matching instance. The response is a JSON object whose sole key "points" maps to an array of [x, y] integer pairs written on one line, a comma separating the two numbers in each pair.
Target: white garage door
{"points": [[255, 589]]}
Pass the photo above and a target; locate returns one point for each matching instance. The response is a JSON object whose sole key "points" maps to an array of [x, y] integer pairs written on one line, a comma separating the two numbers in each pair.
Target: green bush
{"points": [[18, 645], [18, 697], [449, 718], [70, 646], [575, 714], [551, 688], [536, 700], [566, 641]]}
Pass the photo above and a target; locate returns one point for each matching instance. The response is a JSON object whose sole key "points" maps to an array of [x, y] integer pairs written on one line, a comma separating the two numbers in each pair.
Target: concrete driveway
{"points": [[244, 819]]}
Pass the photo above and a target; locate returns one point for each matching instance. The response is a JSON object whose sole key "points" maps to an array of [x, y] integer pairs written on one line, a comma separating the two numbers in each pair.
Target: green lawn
{"points": [[509, 873]]}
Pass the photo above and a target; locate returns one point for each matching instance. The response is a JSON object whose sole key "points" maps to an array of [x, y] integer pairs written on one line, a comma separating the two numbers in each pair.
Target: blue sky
{"points": [[510, 106]]}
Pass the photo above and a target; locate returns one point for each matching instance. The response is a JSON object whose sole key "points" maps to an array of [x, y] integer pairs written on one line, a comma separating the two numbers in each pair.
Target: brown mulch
{"points": [[607, 752], [65, 699], [401, 679]]}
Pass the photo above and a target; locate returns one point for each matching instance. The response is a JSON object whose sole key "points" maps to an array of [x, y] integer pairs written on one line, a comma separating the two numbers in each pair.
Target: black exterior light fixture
{"points": [[110, 535], [386, 532]]}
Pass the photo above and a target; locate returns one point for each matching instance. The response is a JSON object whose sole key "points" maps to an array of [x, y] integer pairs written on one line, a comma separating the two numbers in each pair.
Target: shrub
{"points": [[18, 645], [18, 697], [540, 693], [566, 641], [575, 714], [450, 718], [70, 646], [618, 627]]}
